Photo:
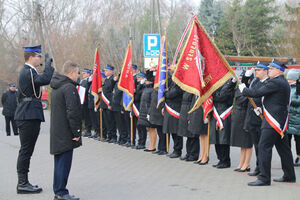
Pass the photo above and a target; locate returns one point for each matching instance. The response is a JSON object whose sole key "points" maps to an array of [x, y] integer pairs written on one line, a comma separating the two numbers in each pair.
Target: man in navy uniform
{"points": [[86, 73], [105, 104], [276, 95], [29, 113], [253, 115]]}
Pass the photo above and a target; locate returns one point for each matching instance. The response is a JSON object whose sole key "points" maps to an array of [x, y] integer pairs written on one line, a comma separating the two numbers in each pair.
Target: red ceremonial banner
{"points": [[96, 82], [201, 68]]}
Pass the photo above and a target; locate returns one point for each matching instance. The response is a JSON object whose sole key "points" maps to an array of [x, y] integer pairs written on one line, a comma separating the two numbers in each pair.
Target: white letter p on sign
{"points": [[152, 42]]}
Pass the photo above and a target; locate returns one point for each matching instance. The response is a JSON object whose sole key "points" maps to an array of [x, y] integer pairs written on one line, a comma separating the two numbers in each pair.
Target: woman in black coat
{"points": [[145, 110]]}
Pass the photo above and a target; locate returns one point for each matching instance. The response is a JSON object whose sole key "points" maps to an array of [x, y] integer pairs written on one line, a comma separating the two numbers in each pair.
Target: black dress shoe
{"points": [[190, 159], [223, 166], [215, 165], [163, 153], [254, 173], [184, 157], [138, 147], [174, 155], [237, 169], [244, 170], [283, 179], [197, 162], [258, 183], [65, 197], [148, 150], [28, 189], [156, 152]]}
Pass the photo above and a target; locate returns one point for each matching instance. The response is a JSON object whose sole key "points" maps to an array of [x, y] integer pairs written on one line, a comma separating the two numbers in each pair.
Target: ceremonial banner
{"points": [[161, 74], [126, 81], [201, 68], [96, 82]]}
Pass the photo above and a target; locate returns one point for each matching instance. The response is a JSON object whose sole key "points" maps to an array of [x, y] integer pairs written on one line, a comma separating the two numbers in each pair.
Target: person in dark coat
{"points": [[29, 113], [223, 99], [65, 126], [173, 98], [86, 83], [192, 142], [106, 95], [9, 102], [144, 119], [156, 119], [253, 120], [142, 131], [276, 95], [294, 112], [240, 137], [197, 126]]}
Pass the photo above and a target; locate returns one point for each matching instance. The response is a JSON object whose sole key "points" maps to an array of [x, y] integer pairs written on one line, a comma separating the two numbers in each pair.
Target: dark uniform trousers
{"points": [[223, 153], [178, 143], [13, 123], [86, 117], [162, 146], [135, 119], [255, 132], [269, 138], [193, 147], [29, 132], [110, 124], [62, 167], [297, 140], [142, 132], [95, 119], [121, 126]]}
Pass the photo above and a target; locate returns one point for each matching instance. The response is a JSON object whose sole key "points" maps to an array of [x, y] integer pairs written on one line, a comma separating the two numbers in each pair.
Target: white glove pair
{"points": [[205, 121], [242, 87], [142, 81], [257, 111], [148, 117]]}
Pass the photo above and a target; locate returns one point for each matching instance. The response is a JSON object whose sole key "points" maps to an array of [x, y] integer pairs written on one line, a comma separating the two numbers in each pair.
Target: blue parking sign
{"points": [[151, 45]]}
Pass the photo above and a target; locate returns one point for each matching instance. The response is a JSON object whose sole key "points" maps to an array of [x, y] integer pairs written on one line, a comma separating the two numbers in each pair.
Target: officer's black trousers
{"points": [[62, 167], [110, 124], [11, 120], [135, 119], [86, 117], [255, 135], [95, 119], [178, 143], [297, 141], [29, 132], [223, 153], [192, 147], [269, 138], [162, 146], [121, 126], [142, 131]]}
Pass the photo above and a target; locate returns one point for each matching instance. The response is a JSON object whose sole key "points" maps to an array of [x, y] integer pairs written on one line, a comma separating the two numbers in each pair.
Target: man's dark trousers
{"points": [[13, 122], [269, 138], [29, 132], [62, 167]]}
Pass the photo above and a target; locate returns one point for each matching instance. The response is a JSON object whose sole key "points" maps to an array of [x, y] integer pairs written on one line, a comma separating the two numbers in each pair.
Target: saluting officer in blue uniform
{"points": [[276, 94], [29, 113]]}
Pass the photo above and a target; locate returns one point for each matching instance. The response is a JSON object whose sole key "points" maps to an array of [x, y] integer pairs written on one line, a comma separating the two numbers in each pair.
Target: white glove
{"points": [[257, 111], [148, 117], [242, 87], [142, 81], [248, 73], [234, 80], [90, 79], [205, 121]]}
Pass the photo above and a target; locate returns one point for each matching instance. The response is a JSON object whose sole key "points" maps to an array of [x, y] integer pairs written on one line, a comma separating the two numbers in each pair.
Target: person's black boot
{"points": [[24, 187]]}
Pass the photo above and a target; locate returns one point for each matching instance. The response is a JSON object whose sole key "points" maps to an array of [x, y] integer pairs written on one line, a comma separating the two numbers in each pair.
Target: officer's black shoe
{"points": [[215, 165], [258, 183], [163, 153], [297, 162], [156, 152], [127, 144], [283, 179], [223, 166], [174, 155], [254, 173], [24, 187], [184, 157], [112, 141], [65, 197], [190, 158], [138, 147]]}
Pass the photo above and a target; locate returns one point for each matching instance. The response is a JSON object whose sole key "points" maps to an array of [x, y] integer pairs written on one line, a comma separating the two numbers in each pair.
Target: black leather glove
{"points": [[48, 60]]}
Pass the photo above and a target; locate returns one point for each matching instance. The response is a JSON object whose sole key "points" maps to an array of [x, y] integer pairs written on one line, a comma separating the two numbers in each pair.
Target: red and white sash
{"points": [[273, 122], [172, 112], [106, 101], [135, 110], [221, 117]]}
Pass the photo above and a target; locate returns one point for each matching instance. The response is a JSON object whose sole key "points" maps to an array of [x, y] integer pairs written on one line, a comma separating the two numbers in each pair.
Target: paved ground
{"points": [[109, 171]]}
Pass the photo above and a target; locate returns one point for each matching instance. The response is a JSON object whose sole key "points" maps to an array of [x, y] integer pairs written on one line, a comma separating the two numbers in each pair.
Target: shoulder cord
{"points": [[40, 92]]}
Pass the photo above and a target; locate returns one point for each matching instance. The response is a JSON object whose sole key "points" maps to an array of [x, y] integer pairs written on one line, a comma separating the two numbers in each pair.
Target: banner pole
{"points": [[131, 128], [167, 141], [208, 127], [101, 127]]}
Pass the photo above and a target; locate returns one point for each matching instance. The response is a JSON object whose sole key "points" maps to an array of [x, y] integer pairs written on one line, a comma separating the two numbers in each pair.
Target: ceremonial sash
{"points": [[221, 117], [172, 112], [273, 122], [106, 101], [135, 110]]}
